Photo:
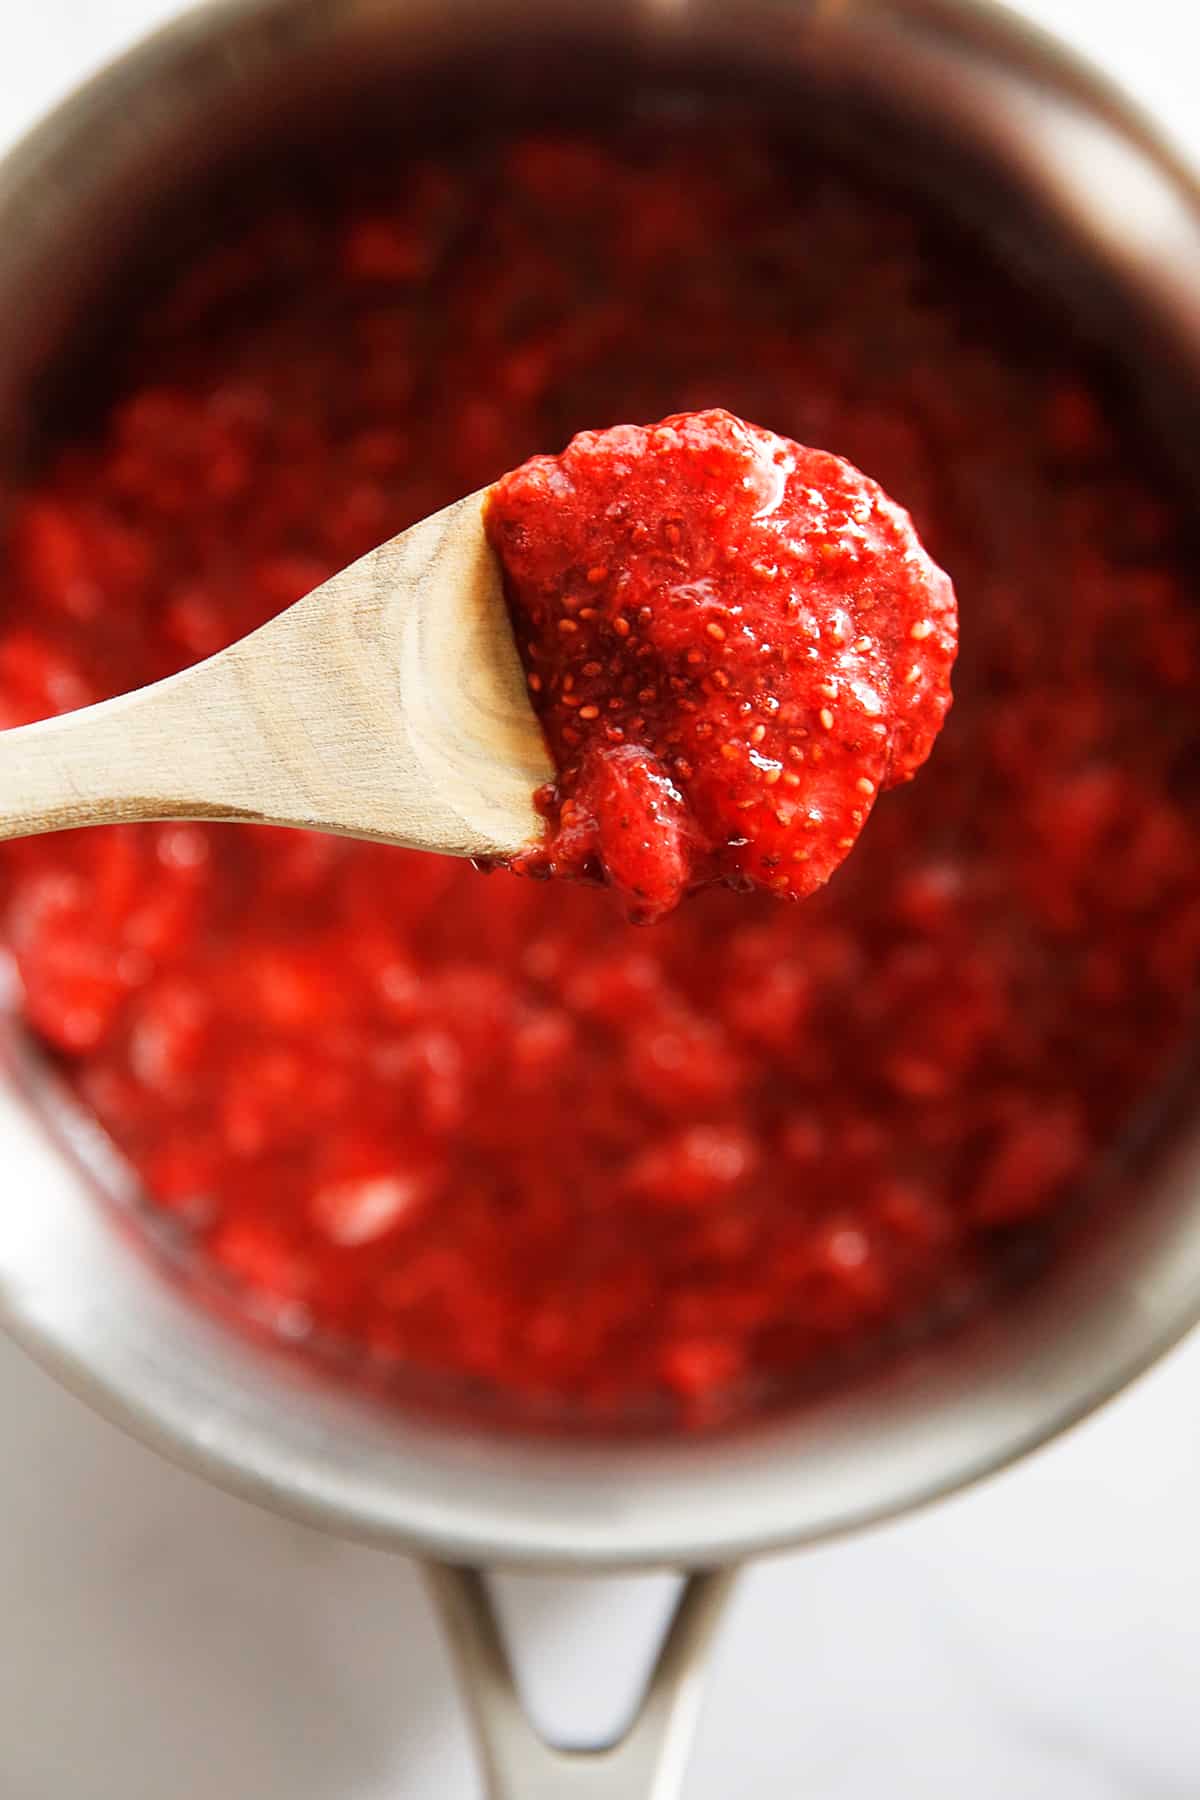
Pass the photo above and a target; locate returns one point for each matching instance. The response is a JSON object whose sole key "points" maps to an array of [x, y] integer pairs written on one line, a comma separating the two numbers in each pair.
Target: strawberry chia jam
{"points": [[733, 643], [480, 1132]]}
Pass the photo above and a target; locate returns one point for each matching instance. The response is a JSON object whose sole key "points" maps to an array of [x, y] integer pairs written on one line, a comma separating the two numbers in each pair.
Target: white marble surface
{"points": [[1037, 1639]]}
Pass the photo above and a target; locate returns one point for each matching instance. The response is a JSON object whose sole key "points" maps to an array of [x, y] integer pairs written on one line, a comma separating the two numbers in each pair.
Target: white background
{"points": [[1038, 1639]]}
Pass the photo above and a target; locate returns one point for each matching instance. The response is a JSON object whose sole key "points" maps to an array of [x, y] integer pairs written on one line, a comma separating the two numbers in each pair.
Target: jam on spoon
{"points": [[734, 644]]}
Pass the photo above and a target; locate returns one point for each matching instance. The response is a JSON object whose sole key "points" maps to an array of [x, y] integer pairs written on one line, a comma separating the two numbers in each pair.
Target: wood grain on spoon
{"points": [[389, 704]]}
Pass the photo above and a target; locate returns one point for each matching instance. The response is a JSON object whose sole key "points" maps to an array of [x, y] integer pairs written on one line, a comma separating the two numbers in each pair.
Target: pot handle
{"points": [[645, 1763]]}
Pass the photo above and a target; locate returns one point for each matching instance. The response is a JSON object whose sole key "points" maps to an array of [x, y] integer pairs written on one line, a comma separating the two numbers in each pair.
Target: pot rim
{"points": [[70, 1284]]}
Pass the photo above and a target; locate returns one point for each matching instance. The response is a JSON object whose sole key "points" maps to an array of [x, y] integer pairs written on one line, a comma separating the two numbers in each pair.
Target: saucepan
{"points": [[997, 121]]}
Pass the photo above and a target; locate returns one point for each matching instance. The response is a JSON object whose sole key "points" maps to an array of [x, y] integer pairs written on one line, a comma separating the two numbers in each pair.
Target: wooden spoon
{"points": [[389, 703]]}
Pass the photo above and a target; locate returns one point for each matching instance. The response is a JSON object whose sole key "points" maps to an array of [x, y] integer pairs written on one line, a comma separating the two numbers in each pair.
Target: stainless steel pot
{"points": [[1041, 153]]}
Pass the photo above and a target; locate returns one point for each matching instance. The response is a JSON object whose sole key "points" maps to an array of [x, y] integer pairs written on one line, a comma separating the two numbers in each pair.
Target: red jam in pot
{"points": [[479, 1131], [733, 643]]}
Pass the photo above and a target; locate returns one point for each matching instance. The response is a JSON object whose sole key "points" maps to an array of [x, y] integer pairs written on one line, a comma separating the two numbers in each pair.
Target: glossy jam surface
{"points": [[483, 1131], [733, 643]]}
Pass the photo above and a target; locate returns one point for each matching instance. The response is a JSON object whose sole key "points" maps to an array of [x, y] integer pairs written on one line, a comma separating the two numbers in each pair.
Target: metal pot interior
{"points": [[1036, 155]]}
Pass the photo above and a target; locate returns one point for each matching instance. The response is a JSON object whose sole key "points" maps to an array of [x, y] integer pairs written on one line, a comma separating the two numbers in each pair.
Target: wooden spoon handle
{"points": [[145, 755]]}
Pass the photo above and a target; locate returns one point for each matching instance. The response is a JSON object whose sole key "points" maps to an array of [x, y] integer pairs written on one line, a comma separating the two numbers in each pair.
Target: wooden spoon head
{"points": [[393, 701]]}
